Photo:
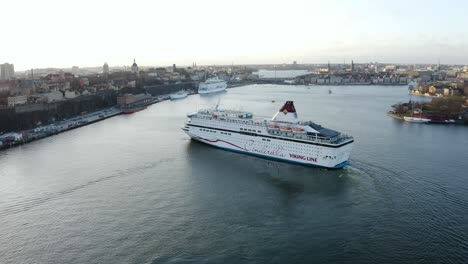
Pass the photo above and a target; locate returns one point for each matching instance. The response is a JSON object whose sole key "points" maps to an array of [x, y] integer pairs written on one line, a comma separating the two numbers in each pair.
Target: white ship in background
{"points": [[283, 137], [179, 95], [212, 85]]}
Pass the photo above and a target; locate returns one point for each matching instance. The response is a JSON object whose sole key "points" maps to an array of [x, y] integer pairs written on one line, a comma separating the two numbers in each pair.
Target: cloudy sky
{"points": [[52, 33]]}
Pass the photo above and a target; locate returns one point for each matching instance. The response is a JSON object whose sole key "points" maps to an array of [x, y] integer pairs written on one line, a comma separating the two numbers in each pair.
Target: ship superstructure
{"points": [[283, 137], [212, 85]]}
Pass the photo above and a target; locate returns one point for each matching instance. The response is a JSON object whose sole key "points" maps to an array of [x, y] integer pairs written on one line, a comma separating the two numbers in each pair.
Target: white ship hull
{"points": [[179, 95], [206, 88], [416, 119], [318, 155]]}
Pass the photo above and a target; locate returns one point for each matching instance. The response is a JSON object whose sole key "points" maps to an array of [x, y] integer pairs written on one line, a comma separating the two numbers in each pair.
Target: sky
{"points": [[64, 33]]}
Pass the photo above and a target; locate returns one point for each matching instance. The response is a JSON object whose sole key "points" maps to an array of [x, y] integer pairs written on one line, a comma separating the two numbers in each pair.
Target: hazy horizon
{"points": [[49, 34]]}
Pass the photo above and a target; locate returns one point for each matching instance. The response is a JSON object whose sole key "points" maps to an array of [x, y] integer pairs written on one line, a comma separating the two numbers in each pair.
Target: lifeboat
{"points": [[273, 127], [298, 130], [285, 128]]}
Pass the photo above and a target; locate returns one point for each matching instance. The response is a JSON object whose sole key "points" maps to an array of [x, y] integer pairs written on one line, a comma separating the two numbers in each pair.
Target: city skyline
{"points": [[208, 32]]}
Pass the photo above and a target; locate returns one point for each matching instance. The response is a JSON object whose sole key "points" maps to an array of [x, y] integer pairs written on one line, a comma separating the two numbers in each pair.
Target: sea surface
{"points": [[136, 189]]}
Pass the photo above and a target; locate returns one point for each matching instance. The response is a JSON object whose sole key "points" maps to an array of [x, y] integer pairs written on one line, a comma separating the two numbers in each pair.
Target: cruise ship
{"points": [[282, 138], [212, 85]]}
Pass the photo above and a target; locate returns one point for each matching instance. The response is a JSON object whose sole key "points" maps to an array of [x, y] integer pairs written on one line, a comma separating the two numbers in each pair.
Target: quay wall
{"points": [[163, 89], [29, 116]]}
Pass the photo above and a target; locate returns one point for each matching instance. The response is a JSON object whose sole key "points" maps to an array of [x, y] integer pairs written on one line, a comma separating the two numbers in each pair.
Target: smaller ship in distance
{"points": [[414, 119], [417, 117], [179, 95], [212, 85]]}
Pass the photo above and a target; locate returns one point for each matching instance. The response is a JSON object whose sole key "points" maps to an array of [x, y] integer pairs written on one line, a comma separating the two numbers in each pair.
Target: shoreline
{"points": [[423, 95], [395, 116], [94, 117], [457, 122], [56, 128]]}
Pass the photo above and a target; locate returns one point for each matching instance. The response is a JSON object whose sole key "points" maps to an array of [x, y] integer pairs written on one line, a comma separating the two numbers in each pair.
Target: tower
{"points": [[105, 69], [352, 66], [134, 67]]}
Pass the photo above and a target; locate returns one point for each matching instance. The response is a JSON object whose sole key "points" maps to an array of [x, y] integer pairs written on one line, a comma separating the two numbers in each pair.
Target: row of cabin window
{"points": [[251, 130], [303, 148], [233, 120], [295, 147], [307, 137], [207, 130], [300, 147]]}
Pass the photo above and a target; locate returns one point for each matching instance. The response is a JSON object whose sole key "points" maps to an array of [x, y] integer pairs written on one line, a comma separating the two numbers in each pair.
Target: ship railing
{"points": [[315, 138], [246, 122]]}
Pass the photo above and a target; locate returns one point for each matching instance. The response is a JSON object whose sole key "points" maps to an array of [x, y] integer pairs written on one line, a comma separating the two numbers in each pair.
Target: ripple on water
{"points": [[135, 189]]}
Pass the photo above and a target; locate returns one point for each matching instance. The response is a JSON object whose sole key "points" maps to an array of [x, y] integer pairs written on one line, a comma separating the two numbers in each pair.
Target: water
{"points": [[135, 189]]}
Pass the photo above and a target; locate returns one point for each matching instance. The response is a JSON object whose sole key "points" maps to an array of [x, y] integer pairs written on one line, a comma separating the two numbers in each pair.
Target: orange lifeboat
{"points": [[285, 128], [298, 130], [273, 127]]}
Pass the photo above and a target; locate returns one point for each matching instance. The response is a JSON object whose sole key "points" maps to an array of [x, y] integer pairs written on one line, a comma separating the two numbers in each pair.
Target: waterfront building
{"points": [[436, 89], [462, 75], [390, 68], [52, 96], [335, 80], [222, 75], [7, 72], [70, 94], [4, 87], [17, 100]]}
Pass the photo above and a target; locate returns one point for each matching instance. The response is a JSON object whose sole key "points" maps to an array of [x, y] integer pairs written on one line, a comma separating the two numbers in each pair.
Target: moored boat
{"points": [[413, 119], [179, 95]]}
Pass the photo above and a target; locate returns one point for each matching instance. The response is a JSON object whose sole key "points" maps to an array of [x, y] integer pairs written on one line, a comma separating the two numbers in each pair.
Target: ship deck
{"points": [[325, 137]]}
